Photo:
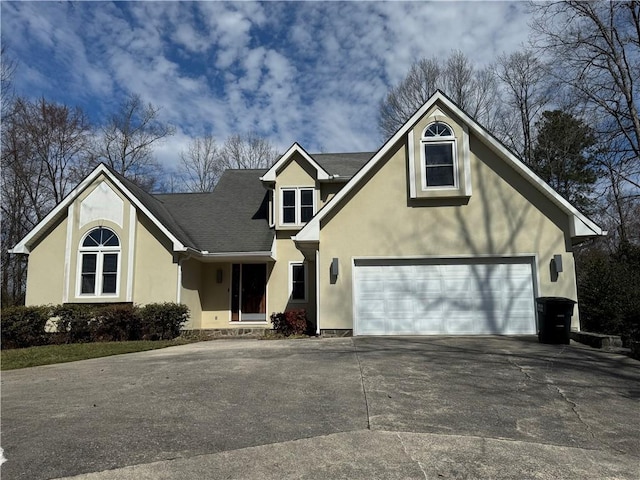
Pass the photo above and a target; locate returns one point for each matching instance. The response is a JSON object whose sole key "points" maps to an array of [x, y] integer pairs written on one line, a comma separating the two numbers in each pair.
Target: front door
{"points": [[249, 292]]}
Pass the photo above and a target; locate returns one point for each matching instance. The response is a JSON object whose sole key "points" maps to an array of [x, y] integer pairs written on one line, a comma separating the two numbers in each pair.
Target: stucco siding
{"points": [[279, 287], [296, 173], [216, 297], [190, 289], [504, 216], [45, 268], [328, 191], [155, 270]]}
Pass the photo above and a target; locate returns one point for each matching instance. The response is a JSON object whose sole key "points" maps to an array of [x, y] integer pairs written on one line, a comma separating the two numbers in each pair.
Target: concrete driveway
{"points": [[414, 407]]}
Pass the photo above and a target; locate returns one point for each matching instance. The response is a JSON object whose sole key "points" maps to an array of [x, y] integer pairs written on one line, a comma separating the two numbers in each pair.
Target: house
{"points": [[441, 231]]}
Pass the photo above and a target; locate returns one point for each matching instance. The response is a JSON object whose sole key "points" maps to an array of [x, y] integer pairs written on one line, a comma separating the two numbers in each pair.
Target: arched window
{"points": [[99, 263], [439, 156]]}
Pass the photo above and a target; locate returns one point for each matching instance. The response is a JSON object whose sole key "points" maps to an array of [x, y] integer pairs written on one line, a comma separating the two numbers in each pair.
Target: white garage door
{"points": [[445, 297]]}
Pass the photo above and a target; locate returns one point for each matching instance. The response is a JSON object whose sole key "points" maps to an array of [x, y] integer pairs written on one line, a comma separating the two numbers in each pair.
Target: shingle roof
{"points": [[342, 164], [233, 218], [156, 208]]}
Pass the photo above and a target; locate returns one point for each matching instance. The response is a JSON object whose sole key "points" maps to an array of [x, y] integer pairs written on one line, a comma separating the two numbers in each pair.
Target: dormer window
{"points": [[438, 151], [298, 205]]}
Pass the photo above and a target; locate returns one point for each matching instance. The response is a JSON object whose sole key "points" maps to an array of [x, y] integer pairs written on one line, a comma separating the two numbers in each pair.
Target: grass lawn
{"points": [[48, 354]]}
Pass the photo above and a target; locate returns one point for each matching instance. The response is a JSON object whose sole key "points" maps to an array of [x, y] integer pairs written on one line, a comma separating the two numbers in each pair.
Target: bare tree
{"points": [[250, 151], [473, 89], [44, 154], [595, 46], [201, 164], [128, 138], [7, 69], [423, 79], [523, 78], [52, 143]]}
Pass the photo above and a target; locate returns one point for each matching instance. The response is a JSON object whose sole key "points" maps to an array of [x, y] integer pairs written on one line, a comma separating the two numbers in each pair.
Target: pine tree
{"points": [[564, 157]]}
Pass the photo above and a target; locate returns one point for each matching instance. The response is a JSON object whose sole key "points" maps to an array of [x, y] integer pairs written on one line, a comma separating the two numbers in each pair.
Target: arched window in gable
{"points": [[99, 260], [439, 163]]}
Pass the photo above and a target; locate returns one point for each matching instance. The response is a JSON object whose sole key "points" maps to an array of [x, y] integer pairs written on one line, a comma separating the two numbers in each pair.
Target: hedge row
{"points": [[75, 323]]}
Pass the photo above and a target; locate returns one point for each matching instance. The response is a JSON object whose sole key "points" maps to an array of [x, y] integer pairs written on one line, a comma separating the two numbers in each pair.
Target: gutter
{"points": [[336, 179], [205, 255]]}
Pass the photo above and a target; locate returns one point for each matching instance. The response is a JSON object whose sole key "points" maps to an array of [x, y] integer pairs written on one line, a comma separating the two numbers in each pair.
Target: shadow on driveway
{"points": [[194, 408]]}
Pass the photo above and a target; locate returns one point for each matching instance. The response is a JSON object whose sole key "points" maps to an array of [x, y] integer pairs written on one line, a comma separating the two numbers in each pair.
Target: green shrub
{"points": [[291, 322], [116, 323], [163, 321], [24, 326], [609, 291], [74, 323]]}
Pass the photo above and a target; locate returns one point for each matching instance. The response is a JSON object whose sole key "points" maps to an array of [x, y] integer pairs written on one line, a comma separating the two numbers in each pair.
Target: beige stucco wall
{"points": [[45, 268], [155, 269], [147, 269], [280, 282], [440, 114], [77, 234], [216, 297], [328, 191], [380, 220], [190, 291], [295, 173]]}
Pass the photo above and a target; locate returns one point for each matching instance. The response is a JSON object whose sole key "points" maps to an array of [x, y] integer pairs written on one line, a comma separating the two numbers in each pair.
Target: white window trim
{"points": [[298, 206], [100, 252], [448, 140], [306, 282], [272, 208]]}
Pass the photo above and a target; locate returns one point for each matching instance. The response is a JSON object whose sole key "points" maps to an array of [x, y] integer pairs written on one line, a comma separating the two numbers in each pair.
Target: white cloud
{"points": [[307, 72]]}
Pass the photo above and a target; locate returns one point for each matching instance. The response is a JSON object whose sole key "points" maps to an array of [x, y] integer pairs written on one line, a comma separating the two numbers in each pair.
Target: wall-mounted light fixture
{"points": [[557, 262], [334, 268], [219, 275]]}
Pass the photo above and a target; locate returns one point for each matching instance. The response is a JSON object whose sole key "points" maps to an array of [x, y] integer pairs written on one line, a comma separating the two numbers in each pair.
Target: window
{"points": [[298, 205], [298, 276], [99, 262], [438, 157]]}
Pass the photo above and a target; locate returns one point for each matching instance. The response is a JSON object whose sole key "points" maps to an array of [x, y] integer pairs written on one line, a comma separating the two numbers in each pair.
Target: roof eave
{"points": [[271, 174], [23, 247], [254, 256]]}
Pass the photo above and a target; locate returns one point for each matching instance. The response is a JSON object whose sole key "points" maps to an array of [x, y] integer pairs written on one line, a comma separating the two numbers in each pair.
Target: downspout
{"points": [[179, 286], [318, 292]]}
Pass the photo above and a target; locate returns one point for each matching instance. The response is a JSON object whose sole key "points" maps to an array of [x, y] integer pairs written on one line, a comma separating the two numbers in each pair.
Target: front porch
{"points": [[243, 295]]}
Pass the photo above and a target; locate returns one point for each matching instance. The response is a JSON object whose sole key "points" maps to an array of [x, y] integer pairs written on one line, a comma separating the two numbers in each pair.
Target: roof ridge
{"points": [[146, 197]]}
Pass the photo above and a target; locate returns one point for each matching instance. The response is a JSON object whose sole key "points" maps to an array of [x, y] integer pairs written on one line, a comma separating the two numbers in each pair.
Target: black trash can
{"points": [[554, 319]]}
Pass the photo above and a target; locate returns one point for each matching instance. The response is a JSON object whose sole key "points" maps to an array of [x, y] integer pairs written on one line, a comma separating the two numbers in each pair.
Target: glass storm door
{"points": [[249, 292]]}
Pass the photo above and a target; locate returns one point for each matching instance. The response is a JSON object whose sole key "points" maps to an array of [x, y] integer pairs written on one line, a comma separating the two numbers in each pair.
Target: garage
{"points": [[484, 296]]}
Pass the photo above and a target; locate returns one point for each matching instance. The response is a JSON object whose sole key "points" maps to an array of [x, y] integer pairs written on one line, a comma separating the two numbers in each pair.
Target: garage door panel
{"points": [[373, 307], [373, 326], [461, 324], [432, 286], [400, 307], [476, 297], [428, 306]]}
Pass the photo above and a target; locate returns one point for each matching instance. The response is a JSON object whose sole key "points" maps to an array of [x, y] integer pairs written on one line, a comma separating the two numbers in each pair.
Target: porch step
{"points": [[216, 333]]}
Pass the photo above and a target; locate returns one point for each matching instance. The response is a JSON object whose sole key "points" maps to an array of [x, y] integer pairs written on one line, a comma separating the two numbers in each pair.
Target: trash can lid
{"points": [[555, 300]]}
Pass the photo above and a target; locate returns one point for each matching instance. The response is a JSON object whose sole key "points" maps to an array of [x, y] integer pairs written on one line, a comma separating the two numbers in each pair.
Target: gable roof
{"points": [[138, 197], [270, 175], [231, 219], [580, 226]]}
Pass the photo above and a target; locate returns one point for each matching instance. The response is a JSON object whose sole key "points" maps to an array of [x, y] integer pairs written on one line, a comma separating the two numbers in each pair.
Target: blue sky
{"points": [[311, 72]]}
